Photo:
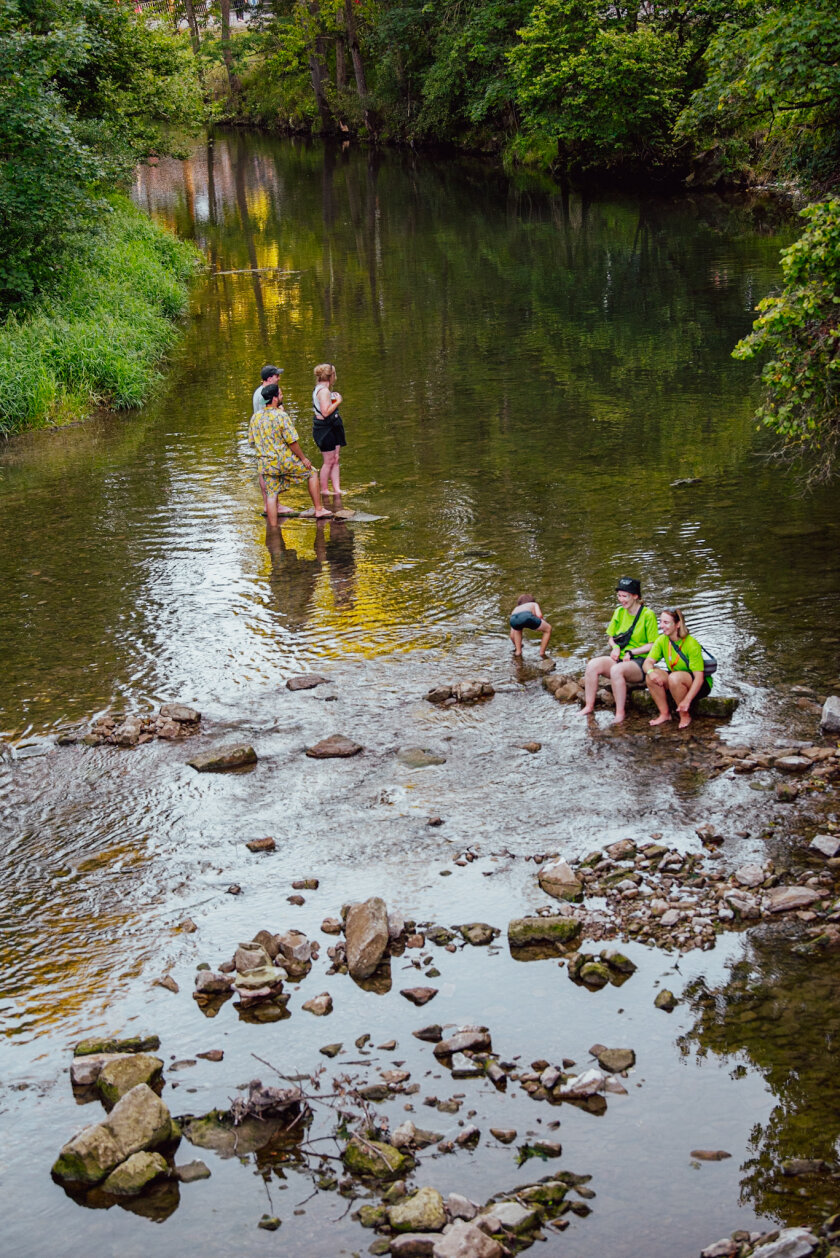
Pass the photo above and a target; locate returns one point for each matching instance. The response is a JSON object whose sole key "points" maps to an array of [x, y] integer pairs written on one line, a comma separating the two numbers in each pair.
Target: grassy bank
{"points": [[97, 338]]}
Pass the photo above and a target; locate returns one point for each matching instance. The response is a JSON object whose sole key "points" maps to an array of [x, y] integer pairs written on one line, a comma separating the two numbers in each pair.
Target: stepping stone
{"points": [[336, 746], [307, 681], [224, 758]]}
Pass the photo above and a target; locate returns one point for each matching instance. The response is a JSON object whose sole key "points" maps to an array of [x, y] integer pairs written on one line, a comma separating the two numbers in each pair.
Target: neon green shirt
{"points": [[646, 628], [664, 649]]}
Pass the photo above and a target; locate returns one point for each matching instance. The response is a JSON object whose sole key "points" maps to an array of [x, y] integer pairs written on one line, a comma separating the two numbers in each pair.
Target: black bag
{"points": [[709, 661], [622, 640]]}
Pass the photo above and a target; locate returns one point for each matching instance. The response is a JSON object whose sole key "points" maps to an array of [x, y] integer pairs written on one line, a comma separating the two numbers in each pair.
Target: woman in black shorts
{"points": [[327, 425]]}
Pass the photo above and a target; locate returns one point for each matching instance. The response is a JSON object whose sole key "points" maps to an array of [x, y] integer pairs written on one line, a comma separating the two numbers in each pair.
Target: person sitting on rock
{"points": [[282, 462], [685, 681], [631, 633], [527, 614]]}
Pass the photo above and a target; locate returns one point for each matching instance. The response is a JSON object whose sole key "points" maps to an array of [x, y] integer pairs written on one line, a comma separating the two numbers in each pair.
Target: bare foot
{"points": [[685, 721], [517, 655], [543, 655], [619, 720], [587, 711], [323, 515], [659, 720], [286, 511]]}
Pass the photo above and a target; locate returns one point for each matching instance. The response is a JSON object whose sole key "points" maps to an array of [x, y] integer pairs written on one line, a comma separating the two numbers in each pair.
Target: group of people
{"points": [[637, 646], [274, 438]]}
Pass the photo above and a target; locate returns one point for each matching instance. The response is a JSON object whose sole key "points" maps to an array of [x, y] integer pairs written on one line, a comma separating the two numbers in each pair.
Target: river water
{"points": [[539, 396]]}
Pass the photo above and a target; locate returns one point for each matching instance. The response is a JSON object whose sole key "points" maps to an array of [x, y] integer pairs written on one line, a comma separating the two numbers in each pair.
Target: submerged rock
{"points": [[373, 1157], [419, 757], [367, 936]]}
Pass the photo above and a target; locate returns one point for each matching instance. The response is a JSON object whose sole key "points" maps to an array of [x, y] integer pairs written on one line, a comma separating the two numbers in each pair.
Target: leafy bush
{"points": [[98, 336], [800, 328]]}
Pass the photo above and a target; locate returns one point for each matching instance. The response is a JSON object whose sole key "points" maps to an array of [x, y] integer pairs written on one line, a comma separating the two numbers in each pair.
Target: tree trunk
{"points": [[340, 63], [355, 52], [192, 23], [318, 70], [233, 81]]}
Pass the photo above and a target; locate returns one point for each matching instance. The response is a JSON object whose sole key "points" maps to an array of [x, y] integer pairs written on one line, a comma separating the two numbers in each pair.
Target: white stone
{"points": [[784, 899], [465, 1240], [827, 845], [792, 1242], [671, 917], [509, 1215], [583, 1085], [751, 875], [459, 1207], [403, 1135], [830, 718]]}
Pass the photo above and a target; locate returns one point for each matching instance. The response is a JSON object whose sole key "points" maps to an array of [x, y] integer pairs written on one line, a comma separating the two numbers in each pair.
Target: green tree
{"points": [[800, 328], [605, 89], [84, 87]]}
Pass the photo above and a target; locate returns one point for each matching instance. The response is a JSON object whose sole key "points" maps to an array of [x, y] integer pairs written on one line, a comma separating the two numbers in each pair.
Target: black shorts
{"points": [[328, 434]]}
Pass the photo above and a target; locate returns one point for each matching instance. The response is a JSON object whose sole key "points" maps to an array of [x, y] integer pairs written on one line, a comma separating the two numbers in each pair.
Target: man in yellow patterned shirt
{"points": [[282, 462]]}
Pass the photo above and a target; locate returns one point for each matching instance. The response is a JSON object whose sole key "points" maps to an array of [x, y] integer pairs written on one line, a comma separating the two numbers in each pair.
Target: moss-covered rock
{"points": [[372, 1216], [119, 1075], [527, 930], [618, 961], [422, 1212], [133, 1044], [139, 1121], [132, 1175], [594, 974], [549, 1196], [373, 1157]]}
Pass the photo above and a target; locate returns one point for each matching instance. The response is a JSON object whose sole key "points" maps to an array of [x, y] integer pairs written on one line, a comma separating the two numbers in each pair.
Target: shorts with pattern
{"points": [[279, 479]]}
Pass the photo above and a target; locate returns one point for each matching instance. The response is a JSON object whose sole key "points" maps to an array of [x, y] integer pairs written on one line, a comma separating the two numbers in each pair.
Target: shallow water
{"points": [[526, 376]]}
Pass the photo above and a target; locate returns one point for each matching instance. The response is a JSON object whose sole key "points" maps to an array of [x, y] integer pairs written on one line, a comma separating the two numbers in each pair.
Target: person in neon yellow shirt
{"points": [[631, 633], [685, 679]]}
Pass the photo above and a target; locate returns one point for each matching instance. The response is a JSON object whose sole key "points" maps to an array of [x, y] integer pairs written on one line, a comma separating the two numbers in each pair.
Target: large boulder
{"points": [[139, 1121], [559, 880], [366, 934], [122, 1073], [422, 1212]]}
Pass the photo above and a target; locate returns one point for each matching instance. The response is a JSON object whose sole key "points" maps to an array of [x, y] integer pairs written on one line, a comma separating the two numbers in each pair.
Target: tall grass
{"points": [[98, 338]]}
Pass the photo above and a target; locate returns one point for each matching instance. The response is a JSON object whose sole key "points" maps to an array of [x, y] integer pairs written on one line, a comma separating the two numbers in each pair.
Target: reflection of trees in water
{"points": [[779, 1010]]}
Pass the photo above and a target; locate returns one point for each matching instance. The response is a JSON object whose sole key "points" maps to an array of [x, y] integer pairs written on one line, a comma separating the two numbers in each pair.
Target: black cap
{"points": [[270, 371], [630, 586], [270, 392]]}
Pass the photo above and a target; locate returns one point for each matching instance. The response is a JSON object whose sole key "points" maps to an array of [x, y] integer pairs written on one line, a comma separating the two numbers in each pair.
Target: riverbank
{"points": [[97, 339]]}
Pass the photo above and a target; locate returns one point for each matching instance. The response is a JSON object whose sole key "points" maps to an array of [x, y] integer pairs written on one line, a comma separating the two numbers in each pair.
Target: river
{"points": [[539, 396]]}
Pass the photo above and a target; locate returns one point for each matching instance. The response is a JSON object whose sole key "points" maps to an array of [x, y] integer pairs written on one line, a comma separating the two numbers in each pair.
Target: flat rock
{"points": [[181, 713], [830, 718], [509, 1216], [208, 983], [784, 899], [614, 1060], [224, 758], [419, 757], [827, 845], [528, 930], [111, 1044], [367, 936], [465, 1240], [307, 681], [792, 764], [419, 995], [710, 1155], [472, 1038], [334, 747], [464, 1067], [261, 845]]}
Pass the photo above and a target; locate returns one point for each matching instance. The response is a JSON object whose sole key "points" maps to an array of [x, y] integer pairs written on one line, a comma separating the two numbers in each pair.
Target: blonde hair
{"points": [[678, 619], [323, 371]]}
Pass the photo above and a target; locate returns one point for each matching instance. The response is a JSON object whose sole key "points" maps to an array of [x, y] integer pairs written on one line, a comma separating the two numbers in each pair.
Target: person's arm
{"points": [[298, 453], [538, 611], [332, 403], [696, 686], [615, 652]]}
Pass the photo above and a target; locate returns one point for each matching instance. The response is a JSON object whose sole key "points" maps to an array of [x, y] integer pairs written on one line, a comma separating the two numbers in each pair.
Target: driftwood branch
{"points": [[257, 270]]}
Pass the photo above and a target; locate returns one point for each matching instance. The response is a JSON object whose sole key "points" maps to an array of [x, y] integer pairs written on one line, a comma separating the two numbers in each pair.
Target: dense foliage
{"points": [[84, 87], [97, 337], [800, 328]]}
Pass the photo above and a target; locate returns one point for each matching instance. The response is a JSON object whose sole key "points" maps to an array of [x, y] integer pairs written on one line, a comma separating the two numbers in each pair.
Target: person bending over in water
{"points": [[282, 462], [527, 614], [631, 633], [327, 426], [685, 681]]}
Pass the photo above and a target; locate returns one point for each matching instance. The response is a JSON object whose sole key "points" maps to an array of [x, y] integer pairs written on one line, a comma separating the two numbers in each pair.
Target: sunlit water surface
{"points": [[539, 395]]}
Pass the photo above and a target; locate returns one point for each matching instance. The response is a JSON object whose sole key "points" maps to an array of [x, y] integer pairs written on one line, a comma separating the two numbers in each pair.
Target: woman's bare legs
{"points": [[620, 675], [594, 669], [657, 684], [679, 685], [330, 469]]}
